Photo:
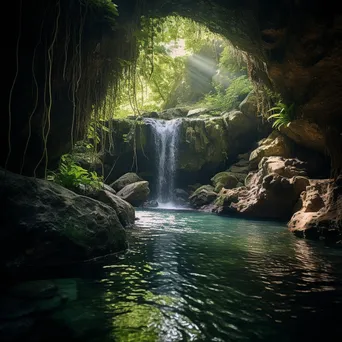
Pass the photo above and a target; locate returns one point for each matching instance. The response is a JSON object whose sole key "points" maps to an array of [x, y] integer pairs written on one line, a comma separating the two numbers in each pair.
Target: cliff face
{"points": [[294, 46]]}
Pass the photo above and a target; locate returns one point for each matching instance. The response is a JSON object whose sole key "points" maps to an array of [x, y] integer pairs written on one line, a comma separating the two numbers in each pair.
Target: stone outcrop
{"points": [[224, 179], [173, 113], [135, 193], [274, 145], [202, 196], [319, 214], [126, 179], [249, 106], [44, 224], [205, 145], [240, 168], [305, 133], [271, 193]]}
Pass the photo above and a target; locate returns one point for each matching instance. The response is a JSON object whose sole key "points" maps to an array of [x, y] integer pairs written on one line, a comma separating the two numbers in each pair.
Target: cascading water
{"points": [[166, 133]]}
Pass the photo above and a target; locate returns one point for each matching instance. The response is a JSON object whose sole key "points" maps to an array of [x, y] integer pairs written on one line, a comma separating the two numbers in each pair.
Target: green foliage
{"points": [[106, 8], [164, 46], [231, 97], [73, 176], [231, 60], [283, 114]]}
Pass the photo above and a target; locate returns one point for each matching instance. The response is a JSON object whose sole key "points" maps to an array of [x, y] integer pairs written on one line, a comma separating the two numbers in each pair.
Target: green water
{"points": [[191, 276]]}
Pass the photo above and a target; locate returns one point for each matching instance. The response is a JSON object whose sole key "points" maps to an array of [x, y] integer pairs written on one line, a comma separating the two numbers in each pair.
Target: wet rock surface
{"points": [[135, 193], [319, 214], [271, 193], [44, 224]]}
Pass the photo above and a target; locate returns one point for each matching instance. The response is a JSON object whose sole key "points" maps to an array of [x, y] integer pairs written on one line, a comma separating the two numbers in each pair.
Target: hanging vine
{"points": [[12, 88], [48, 84]]}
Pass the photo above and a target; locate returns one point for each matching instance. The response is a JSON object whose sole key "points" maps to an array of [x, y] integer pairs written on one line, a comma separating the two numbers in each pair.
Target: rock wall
{"points": [[319, 214], [206, 144]]}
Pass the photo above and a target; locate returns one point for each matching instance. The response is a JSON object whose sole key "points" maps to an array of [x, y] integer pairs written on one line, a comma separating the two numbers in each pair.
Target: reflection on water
{"points": [[198, 277]]}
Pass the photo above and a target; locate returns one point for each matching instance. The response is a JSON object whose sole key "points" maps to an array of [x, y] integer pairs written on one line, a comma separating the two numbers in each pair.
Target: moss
{"points": [[224, 179]]}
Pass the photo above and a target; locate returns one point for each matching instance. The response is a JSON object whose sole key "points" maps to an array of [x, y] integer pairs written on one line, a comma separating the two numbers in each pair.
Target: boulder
{"points": [[92, 192], [226, 197], [180, 193], [319, 214], [202, 196], [238, 123], [44, 224], [275, 145], [152, 115], [286, 167], [271, 193], [172, 113], [126, 179], [151, 204], [135, 193], [197, 112], [224, 179], [249, 106], [239, 169], [124, 210]]}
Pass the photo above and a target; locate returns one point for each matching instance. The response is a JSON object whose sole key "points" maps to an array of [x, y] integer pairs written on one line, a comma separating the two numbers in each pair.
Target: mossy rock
{"points": [[202, 196], [224, 180]]}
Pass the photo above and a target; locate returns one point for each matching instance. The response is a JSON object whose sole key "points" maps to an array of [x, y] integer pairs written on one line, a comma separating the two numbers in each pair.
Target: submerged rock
{"points": [[126, 179], [26, 317], [319, 214], [135, 193], [35, 289], [44, 224]]}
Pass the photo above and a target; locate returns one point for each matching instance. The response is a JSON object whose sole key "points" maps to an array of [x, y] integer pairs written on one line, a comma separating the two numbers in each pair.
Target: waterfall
{"points": [[166, 134]]}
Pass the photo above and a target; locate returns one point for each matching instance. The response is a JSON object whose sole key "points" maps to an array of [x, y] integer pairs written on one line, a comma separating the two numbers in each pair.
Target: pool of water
{"points": [[191, 276]]}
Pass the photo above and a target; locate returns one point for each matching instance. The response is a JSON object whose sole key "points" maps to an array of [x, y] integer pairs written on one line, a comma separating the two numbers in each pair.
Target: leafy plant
{"points": [[284, 115], [231, 97], [73, 176]]}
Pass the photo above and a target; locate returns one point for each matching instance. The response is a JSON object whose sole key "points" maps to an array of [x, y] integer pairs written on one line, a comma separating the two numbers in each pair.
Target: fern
{"points": [[284, 115], [73, 176]]}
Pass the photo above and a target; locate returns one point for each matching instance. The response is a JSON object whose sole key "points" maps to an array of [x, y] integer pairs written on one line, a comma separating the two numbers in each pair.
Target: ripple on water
{"points": [[191, 276]]}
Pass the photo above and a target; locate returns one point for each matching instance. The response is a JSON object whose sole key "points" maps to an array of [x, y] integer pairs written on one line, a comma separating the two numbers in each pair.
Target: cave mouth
{"points": [[71, 55]]}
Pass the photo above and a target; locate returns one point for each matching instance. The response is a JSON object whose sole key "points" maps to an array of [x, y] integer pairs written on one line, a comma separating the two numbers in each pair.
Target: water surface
{"points": [[191, 276]]}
